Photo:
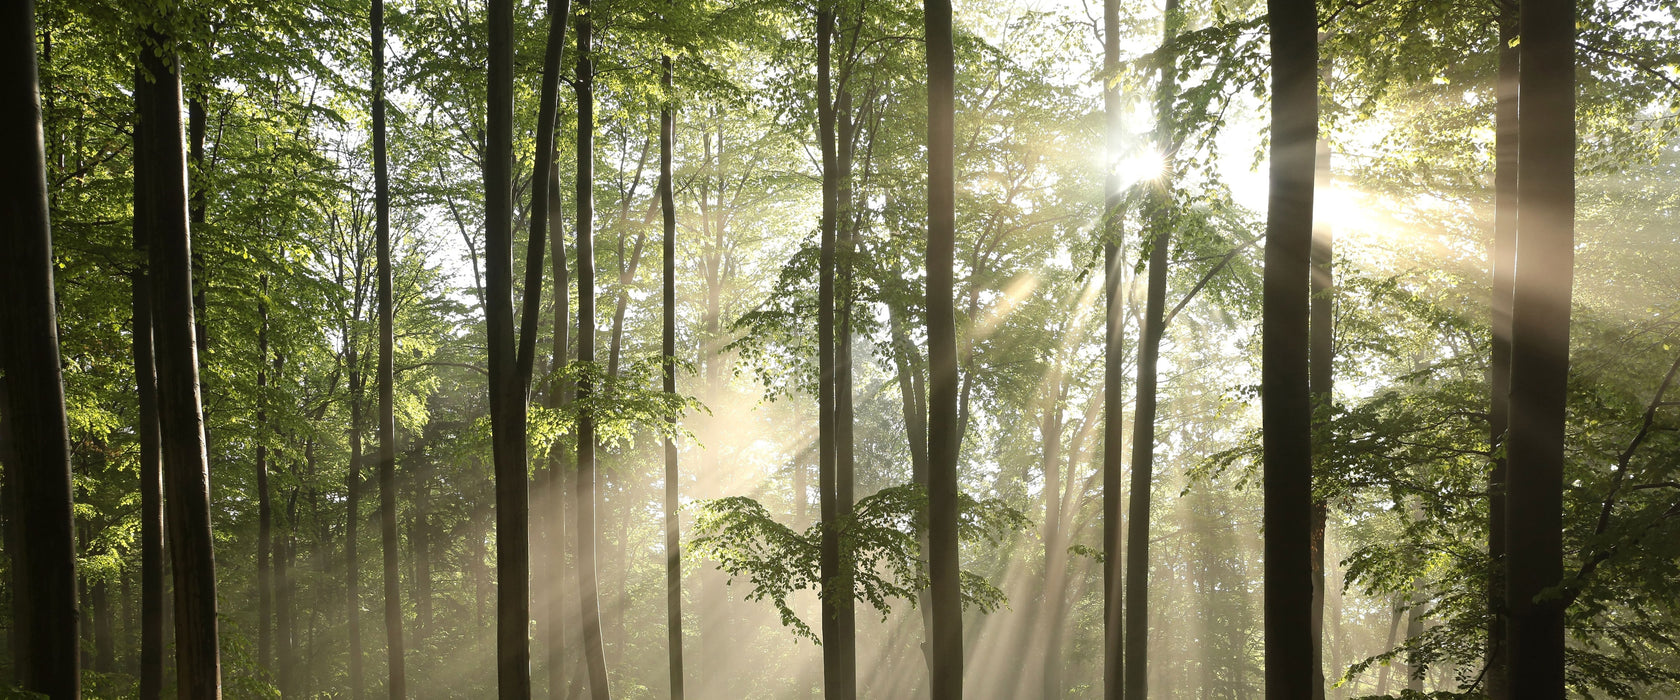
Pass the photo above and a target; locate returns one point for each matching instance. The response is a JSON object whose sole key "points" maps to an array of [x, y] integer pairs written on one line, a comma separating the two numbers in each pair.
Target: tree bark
{"points": [[1149, 353], [588, 583], [1320, 380], [668, 348], [1114, 662], [265, 514], [180, 411], [839, 669], [396, 683], [1285, 395], [1540, 308], [45, 615], [146, 430], [1503, 260], [558, 397], [353, 509], [944, 430]]}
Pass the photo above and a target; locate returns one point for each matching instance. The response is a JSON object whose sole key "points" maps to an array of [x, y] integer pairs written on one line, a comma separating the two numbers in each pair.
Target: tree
{"points": [[1540, 307], [146, 429], [38, 473], [1320, 355], [396, 681], [944, 429], [838, 627], [1502, 259], [668, 348], [1114, 309], [584, 494], [1149, 351], [186, 469], [1287, 403], [265, 512]]}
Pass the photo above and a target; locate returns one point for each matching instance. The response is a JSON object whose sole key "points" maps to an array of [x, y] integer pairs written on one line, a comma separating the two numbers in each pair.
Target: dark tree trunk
{"points": [[668, 348], [353, 511], [560, 604], [396, 680], [1285, 394], [944, 431], [1540, 309], [588, 584], [1321, 376], [146, 430], [1503, 259], [44, 601], [1149, 353], [839, 669], [180, 413], [104, 643], [1114, 662], [265, 513]]}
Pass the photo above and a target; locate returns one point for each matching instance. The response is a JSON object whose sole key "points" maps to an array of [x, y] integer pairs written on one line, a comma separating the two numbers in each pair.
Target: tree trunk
{"points": [[588, 584], [1540, 309], [396, 683], [44, 611], [558, 646], [1114, 662], [1055, 547], [1149, 352], [353, 510], [1414, 627], [668, 348], [265, 512], [1285, 396], [839, 679], [1393, 629], [1503, 260], [146, 429], [1321, 377], [181, 418], [944, 431]]}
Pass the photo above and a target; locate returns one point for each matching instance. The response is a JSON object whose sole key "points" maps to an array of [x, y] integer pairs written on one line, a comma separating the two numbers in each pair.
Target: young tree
{"points": [[584, 494], [668, 348], [1321, 375], [180, 414], [38, 475], [1114, 306], [1149, 353], [944, 430], [396, 680], [1286, 400], [265, 513], [1540, 306]]}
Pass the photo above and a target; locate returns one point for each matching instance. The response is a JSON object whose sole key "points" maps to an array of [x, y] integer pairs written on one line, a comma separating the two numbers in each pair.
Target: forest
{"points": [[768, 349]]}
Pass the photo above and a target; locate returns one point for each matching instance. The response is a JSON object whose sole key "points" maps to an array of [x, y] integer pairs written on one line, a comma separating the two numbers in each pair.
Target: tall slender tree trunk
{"points": [[44, 610], [180, 413], [353, 509], [1055, 547], [1285, 394], [1149, 352], [1114, 325], [839, 677], [1320, 380], [668, 348], [1540, 309], [1503, 259], [396, 683], [146, 430], [944, 430], [265, 513], [561, 605], [1414, 627], [588, 583]]}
